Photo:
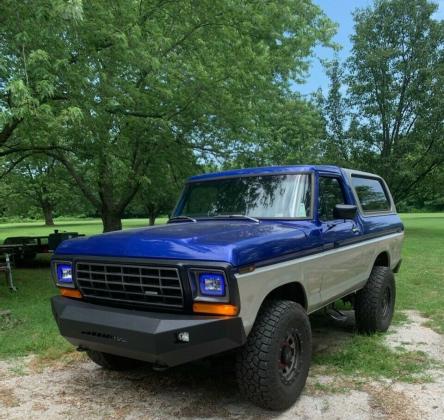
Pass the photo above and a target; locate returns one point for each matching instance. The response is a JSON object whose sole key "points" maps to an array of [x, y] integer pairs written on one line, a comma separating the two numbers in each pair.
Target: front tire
{"points": [[375, 303], [273, 366], [113, 362]]}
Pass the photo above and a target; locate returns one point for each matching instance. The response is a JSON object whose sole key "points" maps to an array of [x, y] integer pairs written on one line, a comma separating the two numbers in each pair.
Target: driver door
{"points": [[341, 267]]}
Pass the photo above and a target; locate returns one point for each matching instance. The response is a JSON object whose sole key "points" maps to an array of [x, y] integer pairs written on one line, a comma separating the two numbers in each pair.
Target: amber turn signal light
{"points": [[215, 309], [73, 293]]}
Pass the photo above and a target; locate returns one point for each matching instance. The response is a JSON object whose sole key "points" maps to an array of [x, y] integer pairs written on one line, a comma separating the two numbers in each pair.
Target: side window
{"points": [[371, 194], [330, 194]]}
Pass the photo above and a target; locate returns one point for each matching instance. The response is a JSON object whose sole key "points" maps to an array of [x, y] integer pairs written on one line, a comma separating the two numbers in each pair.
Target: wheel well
{"points": [[383, 259], [290, 291]]}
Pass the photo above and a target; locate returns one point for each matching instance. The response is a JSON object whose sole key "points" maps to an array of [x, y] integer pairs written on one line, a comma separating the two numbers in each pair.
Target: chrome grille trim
{"points": [[146, 285]]}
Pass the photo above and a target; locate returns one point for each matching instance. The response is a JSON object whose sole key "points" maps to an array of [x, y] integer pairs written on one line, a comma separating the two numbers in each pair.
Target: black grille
{"points": [[130, 284]]}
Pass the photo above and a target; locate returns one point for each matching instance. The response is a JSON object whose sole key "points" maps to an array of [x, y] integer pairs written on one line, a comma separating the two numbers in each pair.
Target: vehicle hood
{"points": [[235, 242]]}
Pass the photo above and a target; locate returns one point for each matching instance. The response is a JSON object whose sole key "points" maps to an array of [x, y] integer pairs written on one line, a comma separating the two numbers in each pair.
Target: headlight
{"points": [[212, 284], [63, 274], [209, 285]]}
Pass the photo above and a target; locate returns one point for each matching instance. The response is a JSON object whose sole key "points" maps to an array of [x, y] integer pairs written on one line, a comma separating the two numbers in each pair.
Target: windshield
{"points": [[267, 196]]}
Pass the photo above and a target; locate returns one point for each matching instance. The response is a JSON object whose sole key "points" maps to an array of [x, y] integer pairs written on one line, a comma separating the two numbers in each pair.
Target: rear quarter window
{"points": [[371, 194]]}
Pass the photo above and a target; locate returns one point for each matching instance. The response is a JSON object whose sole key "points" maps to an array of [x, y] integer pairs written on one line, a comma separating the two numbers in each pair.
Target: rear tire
{"points": [[113, 362], [375, 303], [273, 365]]}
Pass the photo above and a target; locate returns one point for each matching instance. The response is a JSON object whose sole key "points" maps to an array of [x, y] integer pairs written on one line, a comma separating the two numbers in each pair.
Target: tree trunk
{"points": [[151, 219], [111, 221], [47, 213]]}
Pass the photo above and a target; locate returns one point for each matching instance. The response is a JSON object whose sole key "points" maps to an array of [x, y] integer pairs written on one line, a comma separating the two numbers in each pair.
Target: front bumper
{"points": [[148, 336]]}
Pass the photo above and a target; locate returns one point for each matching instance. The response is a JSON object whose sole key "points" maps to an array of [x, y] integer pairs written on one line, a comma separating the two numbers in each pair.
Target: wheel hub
{"points": [[289, 356], [286, 355]]}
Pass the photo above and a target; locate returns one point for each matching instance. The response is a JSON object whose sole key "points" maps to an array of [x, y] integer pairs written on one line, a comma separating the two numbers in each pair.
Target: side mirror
{"points": [[345, 211]]}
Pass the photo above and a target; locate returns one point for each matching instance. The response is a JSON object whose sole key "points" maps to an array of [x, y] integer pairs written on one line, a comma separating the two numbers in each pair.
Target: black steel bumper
{"points": [[148, 336]]}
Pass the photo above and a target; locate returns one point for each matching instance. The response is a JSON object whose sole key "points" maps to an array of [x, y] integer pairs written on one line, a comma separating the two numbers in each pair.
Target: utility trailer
{"points": [[23, 249]]}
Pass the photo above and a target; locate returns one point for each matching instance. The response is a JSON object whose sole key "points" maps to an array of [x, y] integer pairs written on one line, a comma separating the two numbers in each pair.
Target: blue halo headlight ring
{"points": [[211, 284], [64, 273]]}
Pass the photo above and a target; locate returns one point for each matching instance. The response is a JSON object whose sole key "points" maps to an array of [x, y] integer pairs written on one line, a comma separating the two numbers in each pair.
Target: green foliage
{"points": [[286, 133], [36, 187], [159, 193], [334, 110]]}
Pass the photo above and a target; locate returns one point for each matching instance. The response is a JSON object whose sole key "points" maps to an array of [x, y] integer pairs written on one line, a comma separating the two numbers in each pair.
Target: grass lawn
{"points": [[31, 328], [421, 278]]}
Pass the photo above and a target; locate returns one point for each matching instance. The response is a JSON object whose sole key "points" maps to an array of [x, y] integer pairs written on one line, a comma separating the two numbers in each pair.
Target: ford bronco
{"points": [[246, 256]]}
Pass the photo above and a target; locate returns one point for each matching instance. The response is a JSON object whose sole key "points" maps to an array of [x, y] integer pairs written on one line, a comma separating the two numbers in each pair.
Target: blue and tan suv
{"points": [[246, 256]]}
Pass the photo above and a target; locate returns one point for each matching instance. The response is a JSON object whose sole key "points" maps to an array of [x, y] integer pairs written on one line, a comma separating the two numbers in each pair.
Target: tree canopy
{"points": [[107, 88]]}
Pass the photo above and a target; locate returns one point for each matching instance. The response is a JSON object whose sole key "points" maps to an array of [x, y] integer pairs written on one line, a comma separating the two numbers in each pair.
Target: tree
{"points": [[395, 76], [286, 133], [159, 193], [32, 96], [38, 180], [335, 147], [115, 86], [39, 185]]}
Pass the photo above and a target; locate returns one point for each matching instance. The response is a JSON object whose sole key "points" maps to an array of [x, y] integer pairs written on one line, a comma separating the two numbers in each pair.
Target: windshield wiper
{"points": [[236, 216], [181, 219]]}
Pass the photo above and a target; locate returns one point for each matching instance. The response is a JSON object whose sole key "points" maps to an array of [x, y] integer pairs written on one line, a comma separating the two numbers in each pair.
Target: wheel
{"points": [[113, 362], [375, 303], [273, 365]]}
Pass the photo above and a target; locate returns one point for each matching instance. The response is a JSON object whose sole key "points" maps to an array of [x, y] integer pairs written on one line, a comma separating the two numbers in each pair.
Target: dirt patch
{"points": [[416, 336], [74, 387], [8, 398], [391, 404]]}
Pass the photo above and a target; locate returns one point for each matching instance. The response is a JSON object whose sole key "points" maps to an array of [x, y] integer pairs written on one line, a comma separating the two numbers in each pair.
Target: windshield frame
{"points": [[311, 174]]}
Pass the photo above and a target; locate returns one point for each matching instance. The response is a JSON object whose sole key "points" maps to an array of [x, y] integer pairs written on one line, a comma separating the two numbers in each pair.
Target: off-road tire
{"points": [[261, 364], [113, 362], [375, 303]]}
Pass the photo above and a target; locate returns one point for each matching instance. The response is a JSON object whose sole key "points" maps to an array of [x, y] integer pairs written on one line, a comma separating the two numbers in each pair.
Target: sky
{"points": [[339, 11]]}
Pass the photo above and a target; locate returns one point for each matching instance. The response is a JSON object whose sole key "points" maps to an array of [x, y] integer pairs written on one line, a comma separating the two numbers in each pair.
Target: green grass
{"points": [[31, 328], [420, 281], [420, 286], [370, 357]]}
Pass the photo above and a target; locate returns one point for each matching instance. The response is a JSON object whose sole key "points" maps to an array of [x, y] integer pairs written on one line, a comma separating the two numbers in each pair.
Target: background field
{"points": [[31, 328]]}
